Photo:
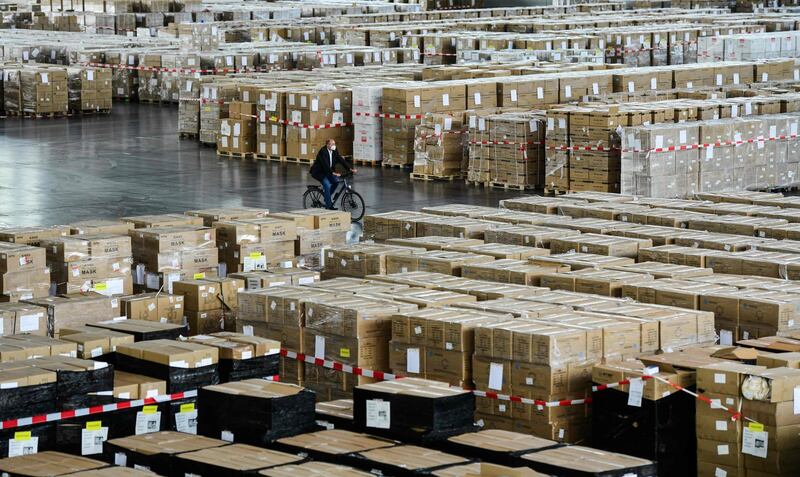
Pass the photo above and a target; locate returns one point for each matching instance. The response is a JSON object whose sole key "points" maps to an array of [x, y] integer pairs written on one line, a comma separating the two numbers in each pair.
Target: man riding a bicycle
{"points": [[324, 170]]}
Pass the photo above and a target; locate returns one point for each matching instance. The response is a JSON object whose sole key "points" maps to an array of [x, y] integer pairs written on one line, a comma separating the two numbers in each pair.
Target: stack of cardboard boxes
{"points": [[90, 89], [770, 444], [509, 149], [439, 146], [314, 117], [367, 131], [351, 330], [255, 244], [317, 229], [437, 343], [277, 313], [36, 90], [237, 133], [161, 307], [211, 304], [23, 272], [99, 263], [271, 135], [719, 436], [164, 255]]}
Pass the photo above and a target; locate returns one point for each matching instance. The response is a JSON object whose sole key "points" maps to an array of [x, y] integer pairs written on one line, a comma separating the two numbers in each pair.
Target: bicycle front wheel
{"points": [[353, 202], [314, 199]]}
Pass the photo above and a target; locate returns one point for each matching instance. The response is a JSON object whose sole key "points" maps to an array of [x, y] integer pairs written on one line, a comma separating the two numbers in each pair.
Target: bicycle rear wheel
{"points": [[353, 202], [314, 199]]}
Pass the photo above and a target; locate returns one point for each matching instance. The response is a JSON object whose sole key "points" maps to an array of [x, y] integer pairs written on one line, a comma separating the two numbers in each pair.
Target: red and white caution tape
{"points": [[504, 143], [89, 411], [335, 365], [390, 116], [533, 402], [181, 70]]}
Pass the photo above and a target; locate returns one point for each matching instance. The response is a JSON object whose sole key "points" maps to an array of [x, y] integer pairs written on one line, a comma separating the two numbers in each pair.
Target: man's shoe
{"points": [[331, 208]]}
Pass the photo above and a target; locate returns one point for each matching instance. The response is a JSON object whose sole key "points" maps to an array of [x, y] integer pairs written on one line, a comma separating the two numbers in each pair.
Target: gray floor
{"points": [[59, 171]]}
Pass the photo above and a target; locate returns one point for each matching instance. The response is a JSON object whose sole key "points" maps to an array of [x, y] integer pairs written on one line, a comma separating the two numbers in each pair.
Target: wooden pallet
{"points": [[92, 112], [361, 162], [185, 135], [29, 115], [151, 101], [235, 155], [506, 186], [432, 177], [268, 157], [297, 160], [395, 166], [555, 192], [476, 183]]}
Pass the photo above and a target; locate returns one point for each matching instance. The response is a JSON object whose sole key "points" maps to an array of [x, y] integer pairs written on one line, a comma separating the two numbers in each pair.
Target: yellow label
{"points": [[150, 409], [94, 425], [199, 276], [22, 436], [255, 254], [756, 427], [344, 352], [100, 287], [187, 407]]}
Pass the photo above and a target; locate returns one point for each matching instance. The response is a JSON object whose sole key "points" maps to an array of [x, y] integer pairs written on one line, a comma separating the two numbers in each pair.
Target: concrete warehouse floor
{"points": [[132, 163]]}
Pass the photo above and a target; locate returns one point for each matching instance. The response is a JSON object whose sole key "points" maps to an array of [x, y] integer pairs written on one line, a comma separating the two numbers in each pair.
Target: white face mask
{"points": [[333, 148]]}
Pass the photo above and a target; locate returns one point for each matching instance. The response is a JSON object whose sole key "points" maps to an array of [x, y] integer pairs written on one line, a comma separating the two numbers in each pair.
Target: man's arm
{"points": [[343, 161]]}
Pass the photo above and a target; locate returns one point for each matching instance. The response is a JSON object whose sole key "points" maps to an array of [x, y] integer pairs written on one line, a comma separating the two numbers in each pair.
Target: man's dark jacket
{"points": [[322, 164]]}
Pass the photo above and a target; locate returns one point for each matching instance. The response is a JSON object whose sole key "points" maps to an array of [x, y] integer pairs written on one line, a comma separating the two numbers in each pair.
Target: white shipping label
{"points": [[319, 347], [28, 323], [89, 75], [723, 449], [635, 392], [533, 125], [595, 88], [631, 87], [710, 152], [653, 83], [736, 78], [186, 422], [722, 426], [445, 99], [226, 436], [416, 101], [45, 78], [539, 92], [18, 447], [448, 123], [567, 91], [682, 136], [764, 77], [754, 442], [92, 441], [481, 124], [720, 472], [304, 149], [315, 104], [148, 422], [659, 142], [719, 378], [796, 405], [726, 337], [412, 360], [379, 414], [495, 376], [120, 459], [689, 85], [473, 121], [734, 110], [247, 330], [514, 95]]}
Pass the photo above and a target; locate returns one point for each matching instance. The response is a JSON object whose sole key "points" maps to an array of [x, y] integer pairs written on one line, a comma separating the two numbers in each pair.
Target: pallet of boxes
{"points": [[317, 230], [313, 117], [171, 247], [237, 132]]}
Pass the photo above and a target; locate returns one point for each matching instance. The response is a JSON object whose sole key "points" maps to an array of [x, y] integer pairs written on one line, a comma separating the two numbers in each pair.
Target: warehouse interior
{"points": [[399, 238]]}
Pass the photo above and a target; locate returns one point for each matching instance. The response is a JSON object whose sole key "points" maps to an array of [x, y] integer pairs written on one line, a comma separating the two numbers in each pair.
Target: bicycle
{"points": [[349, 200]]}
